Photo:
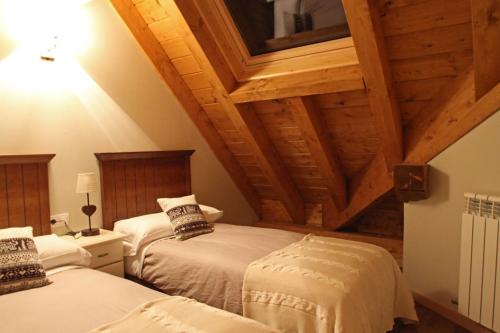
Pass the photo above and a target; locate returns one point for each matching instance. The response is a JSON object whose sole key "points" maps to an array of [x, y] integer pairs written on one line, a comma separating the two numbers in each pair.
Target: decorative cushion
{"points": [[186, 217], [211, 214], [20, 268]]}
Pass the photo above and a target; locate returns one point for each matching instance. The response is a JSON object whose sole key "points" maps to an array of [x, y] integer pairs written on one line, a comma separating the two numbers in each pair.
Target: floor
{"points": [[430, 323]]}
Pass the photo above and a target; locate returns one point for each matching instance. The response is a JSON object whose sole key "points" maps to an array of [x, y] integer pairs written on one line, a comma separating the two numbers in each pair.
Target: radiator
{"points": [[479, 279]]}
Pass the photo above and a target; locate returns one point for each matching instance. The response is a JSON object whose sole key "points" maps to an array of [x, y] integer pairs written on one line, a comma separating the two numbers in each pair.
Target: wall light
{"points": [[49, 28], [49, 51]]}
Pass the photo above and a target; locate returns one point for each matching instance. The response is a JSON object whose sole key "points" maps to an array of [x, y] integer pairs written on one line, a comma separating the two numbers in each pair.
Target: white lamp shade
{"points": [[86, 183]]}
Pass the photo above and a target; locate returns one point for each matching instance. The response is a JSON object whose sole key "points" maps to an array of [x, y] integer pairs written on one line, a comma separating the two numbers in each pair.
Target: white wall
{"points": [[106, 98], [432, 227]]}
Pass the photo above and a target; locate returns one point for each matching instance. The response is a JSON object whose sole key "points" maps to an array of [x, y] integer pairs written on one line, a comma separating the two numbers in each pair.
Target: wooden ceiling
{"points": [[311, 135]]}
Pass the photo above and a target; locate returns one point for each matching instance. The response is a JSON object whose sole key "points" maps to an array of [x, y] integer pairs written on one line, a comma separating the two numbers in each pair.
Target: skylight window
{"points": [[273, 25]]}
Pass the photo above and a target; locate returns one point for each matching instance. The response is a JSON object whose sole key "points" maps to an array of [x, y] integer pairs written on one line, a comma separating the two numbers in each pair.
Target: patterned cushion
{"points": [[188, 221], [20, 268]]}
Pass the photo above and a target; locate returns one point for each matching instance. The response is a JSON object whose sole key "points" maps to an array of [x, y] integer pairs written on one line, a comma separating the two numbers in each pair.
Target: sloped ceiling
{"points": [[324, 151]]}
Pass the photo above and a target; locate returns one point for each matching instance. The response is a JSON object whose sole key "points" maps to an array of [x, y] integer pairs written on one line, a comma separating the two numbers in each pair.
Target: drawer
{"points": [[113, 269], [105, 254]]}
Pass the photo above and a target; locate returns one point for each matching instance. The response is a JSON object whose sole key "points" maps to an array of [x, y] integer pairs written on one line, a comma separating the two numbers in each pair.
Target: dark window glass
{"points": [[272, 25]]}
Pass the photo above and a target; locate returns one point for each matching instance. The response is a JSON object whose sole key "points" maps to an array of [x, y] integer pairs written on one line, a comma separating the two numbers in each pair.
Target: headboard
{"points": [[24, 192], [131, 182]]}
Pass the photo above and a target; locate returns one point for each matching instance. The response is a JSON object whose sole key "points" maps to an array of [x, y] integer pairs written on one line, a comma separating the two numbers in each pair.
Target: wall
{"points": [[103, 97], [432, 227]]}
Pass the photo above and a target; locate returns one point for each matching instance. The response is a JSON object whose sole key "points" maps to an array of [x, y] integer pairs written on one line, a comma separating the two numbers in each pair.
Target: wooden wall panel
{"points": [[31, 197], [120, 190], [108, 192], [4, 210], [425, 15], [293, 149], [274, 212], [43, 187], [24, 192], [132, 182], [140, 186], [429, 44], [131, 190], [486, 31], [351, 124], [15, 195], [385, 217], [430, 67], [151, 191]]}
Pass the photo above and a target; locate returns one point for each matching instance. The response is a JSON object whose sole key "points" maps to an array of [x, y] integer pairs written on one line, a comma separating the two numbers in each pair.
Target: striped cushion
{"points": [[188, 221], [20, 268]]}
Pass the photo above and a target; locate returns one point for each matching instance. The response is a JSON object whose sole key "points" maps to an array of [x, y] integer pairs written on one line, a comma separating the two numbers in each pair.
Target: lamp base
{"points": [[90, 232]]}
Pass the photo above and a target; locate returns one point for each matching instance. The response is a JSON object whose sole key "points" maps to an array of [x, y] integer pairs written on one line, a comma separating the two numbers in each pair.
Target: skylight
{"points": [[273, 25]]}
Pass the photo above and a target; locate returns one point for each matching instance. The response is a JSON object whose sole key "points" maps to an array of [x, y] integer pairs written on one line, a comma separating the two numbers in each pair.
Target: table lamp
{"points": [[85, 184]]}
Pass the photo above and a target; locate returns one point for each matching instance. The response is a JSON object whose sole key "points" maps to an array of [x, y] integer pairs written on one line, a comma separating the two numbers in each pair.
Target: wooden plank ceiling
{"points": [[318, 146]]}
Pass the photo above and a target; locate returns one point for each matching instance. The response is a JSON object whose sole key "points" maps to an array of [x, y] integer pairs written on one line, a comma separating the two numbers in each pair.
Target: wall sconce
{"points": [[49, 50], [50, 29]]}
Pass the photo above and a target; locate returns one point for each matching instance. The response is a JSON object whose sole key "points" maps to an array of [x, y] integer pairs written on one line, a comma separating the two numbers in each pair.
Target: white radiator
{"points": [[479, 284]]}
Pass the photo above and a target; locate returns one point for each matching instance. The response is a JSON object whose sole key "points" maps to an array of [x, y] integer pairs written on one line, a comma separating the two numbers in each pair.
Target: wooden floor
{"points": [[430, 323]]}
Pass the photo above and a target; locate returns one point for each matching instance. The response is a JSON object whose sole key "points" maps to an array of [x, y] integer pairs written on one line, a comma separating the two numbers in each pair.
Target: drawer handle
{"points": [[102, 255]]}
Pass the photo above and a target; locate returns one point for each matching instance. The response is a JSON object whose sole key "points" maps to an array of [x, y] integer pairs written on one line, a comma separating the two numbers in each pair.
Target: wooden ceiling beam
{"points": [[192, 16], [315, 82], [251, 128], [486, 44], [366, 30], [317, 136], [133, 19], [243, 117], [365, 189], [452, 114]]}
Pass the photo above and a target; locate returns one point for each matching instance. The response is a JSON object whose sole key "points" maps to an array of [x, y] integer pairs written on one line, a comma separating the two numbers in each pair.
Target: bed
{"points": [[242, 268], [80, 299]]}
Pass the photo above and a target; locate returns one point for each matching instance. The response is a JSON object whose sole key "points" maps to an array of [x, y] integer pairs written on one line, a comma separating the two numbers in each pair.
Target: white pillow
{"points": [[142, 230], [54, 251], [16, 232], [167, 203], [211, 214]]}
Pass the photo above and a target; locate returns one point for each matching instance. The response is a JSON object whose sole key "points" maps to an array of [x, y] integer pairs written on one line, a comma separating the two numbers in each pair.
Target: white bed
{"points": [[80, 299]]}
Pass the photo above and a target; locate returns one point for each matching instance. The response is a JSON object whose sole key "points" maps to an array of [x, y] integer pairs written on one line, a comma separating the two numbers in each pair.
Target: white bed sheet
{"points": [[78, 300]]}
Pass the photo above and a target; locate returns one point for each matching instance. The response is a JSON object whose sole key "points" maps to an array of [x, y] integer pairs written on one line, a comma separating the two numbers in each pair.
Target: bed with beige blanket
{"points": [[80, 300], [332, 285]]}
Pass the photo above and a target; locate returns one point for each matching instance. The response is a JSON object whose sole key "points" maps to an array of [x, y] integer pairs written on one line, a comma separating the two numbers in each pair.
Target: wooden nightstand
{"points": [[106, 250]]}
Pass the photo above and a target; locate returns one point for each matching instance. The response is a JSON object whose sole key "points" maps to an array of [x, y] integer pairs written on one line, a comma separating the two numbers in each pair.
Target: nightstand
{"points": [[106, 250]]}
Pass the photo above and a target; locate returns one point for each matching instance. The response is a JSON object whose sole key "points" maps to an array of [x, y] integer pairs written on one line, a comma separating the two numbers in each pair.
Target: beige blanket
{"points": [[332, 285], [210, 268], [177, 314]]}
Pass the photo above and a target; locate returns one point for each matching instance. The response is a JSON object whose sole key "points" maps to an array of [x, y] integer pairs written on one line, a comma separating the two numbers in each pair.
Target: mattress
{"points": [[77, 301], [209, 268]]}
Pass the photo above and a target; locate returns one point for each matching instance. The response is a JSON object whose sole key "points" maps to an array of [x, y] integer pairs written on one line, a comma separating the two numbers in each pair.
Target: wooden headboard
{"points": [[131, 182], [24, 192]]}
